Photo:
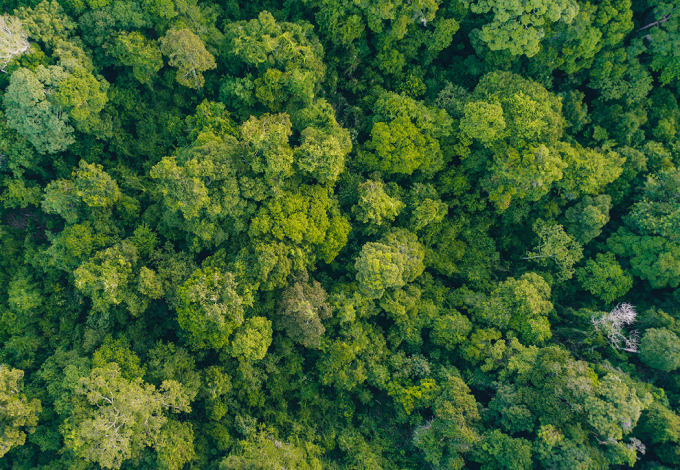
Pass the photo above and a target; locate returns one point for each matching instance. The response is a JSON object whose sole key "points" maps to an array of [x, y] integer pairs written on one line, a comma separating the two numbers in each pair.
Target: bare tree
{"points": [[13, 40], [613, 325]]}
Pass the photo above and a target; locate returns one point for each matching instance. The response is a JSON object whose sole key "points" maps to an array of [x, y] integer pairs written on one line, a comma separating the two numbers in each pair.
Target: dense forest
{"points": [[339, 234]]}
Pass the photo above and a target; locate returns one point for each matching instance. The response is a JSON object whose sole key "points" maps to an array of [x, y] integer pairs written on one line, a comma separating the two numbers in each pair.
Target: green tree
{"points": [[375, 206], [32, 114], [604, 277], [265, 451], [134, 50], [181, 190], [554, 244], [660, 349], [500, 451], [175, 445], [586, 219], [322, 152], [615, 409], [107, 278], [659, 211], [83, 96], [520, 26], [123, 416], [118, 351], [391, 263], [210, 308], [656, 34], [483, 121], [451, 434], [46, 22], [252, 340], [302, 307], [18, 415], [286, 58], [450, 330], [652, 258], [399, 147], [187, 52]]}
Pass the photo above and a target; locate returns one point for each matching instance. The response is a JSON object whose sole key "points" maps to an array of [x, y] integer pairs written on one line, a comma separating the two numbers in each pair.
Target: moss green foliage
{"points": [[339, 234]]}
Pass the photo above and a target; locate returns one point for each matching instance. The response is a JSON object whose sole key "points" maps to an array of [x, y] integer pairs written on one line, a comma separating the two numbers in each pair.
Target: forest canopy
{"points": [[339, 234]]}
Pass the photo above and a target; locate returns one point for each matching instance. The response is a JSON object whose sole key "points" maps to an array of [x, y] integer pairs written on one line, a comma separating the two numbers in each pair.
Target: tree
{"points": [[656, 34], [483, 121], [94, 186], [615, 409], [519, 26], [375, 206], [586, 219], [107, 278], [527, 301], [175, 446], [450, 330], [13, 40], [391, 263], [451, 433], [83, 96], [18, 415], [322, 152], [660, 349], [252, 340], [500, 451], [399, 147], [266, 141], [29, 111], [302, 307], [134, 50], [659, 211], [604, 277], [187, 52], [46, 22], [612, 324], [652, 258], [210, 308], [556, 245], [182, 191], [286, 59], [118, 351], [124, 416], [265, 451], [526, 174]]}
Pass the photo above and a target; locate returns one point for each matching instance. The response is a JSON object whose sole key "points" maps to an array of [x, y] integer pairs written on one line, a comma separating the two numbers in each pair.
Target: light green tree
{"points": [[124, 416], [29, 111], [399, 147], [136, 51], [451, 433], [252, 339], [483, 121], [615, 409], [390, 263], [555, 245], [18, 415], [187, 52], [519, 26], [107, 278], [375, 206], [210, 308]]}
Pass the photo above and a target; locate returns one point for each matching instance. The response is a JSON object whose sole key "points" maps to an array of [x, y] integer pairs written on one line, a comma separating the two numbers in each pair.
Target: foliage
{"points": [[339, 234]]}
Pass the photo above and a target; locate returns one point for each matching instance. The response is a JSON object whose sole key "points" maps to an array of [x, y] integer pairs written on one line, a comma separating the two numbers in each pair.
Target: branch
{"points": [[663, 19]]}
